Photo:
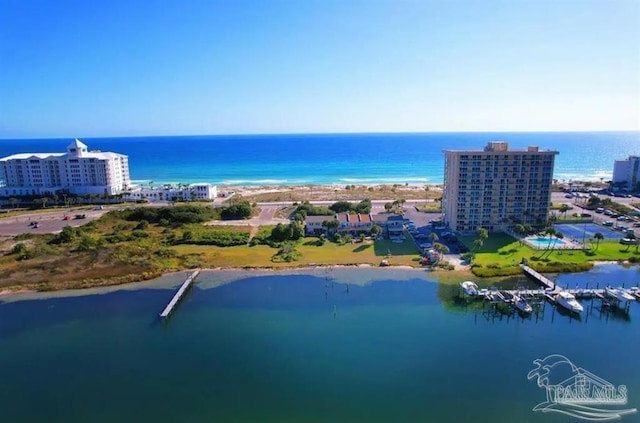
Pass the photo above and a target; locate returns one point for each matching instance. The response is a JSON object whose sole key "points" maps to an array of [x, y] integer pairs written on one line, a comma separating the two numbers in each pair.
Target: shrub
{"points": [[21, 251], [286, 253], [88, 243], [143, 224], [291, 232], [218, 236], [308, 209], [237, 211]]}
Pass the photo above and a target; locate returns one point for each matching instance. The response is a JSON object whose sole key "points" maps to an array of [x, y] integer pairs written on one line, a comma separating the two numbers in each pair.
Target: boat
{"points": [[635, 291], [568, 301], [619, 294], [522, 304], [469, 287], [507, 296]]}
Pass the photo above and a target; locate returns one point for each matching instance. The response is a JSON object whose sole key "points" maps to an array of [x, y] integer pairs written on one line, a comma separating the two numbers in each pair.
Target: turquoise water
{"points": [[546, 242], [300, 348], [360, 159]]}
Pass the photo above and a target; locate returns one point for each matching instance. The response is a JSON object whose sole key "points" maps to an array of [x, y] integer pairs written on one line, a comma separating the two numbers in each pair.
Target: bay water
{"points": [[341, 345]]}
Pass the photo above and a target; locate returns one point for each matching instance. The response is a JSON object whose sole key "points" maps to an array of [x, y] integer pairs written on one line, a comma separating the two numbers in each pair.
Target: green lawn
{"points": [[496, 241], [311, 254], [501, 255]]}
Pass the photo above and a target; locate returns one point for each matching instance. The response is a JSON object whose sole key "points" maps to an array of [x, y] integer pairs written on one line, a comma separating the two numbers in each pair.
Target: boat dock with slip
{"points": [[618, 298], [178, 295]]}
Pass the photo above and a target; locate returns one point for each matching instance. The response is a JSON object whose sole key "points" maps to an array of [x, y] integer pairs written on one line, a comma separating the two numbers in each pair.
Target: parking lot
{"points": [[421, 225], [46, 222]]}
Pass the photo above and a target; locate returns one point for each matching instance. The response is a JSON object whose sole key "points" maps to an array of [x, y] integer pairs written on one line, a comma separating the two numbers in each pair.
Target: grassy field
{"points": [[501, 255], [113, 250], [329, 253]]}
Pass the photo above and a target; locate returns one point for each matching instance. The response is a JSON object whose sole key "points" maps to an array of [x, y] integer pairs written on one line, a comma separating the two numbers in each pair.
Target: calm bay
{"points": [[341, 345]]}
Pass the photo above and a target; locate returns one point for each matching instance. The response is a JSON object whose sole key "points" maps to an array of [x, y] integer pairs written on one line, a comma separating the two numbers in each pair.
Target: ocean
{"points": [[344, 159], [396, 346]]}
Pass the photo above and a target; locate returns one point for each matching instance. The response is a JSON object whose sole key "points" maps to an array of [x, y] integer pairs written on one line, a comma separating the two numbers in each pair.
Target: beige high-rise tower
{"points": [[496, 187]]}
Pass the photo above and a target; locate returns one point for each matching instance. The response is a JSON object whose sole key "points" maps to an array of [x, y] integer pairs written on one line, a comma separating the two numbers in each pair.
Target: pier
{"points": [[541, 279], [176, 298], [618, 298]]}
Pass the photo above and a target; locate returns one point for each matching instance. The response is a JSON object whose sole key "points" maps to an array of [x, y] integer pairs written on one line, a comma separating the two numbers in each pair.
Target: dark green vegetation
{"points": [[308, 209], [595, 202]]}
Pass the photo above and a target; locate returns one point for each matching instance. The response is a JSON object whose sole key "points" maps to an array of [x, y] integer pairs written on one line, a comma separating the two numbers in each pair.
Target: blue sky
{"points": [[135, 67]]}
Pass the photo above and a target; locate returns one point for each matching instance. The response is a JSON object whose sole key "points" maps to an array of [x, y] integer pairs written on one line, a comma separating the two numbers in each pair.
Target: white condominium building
{"points": [[198, 191], [627, 171], [496, 187], [78, 171]]}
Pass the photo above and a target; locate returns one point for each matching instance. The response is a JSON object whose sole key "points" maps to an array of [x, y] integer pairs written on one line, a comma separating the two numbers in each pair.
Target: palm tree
{"points": [[478, 243], [441, 249], [559, 235], [551, 232], [519, 229], [482, 235], [13, 201], [331, 225], [564, 209], [433, 237], [634, 239], [598, 237]]}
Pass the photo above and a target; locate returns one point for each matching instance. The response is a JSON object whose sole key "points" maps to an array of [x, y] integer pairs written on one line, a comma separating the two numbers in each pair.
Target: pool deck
{"points": [[561, 244]]}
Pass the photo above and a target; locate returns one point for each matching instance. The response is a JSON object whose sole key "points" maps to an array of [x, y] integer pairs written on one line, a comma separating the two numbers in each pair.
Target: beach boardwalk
{"points": [[183, 288]]}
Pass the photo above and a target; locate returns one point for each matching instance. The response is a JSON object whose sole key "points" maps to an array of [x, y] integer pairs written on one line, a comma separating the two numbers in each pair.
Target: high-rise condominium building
{"points": [[496, 187], [78, 171], [627, 171]]}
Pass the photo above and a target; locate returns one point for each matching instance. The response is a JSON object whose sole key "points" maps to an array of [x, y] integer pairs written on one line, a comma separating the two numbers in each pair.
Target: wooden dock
{"points": [[183, 288], [541, 279]]}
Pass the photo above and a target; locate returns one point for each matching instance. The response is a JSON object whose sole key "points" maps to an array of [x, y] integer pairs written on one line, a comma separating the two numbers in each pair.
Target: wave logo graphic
{"points": [[575, 392]]}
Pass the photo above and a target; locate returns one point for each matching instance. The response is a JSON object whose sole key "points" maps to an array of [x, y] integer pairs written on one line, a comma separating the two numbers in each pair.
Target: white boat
{"points": [[469, 287], [522, 304], [619, 294], [568, 301], [635, 291]]}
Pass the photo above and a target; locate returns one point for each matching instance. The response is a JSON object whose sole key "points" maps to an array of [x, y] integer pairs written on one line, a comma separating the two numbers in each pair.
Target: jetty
{"points": [[176, 298]]}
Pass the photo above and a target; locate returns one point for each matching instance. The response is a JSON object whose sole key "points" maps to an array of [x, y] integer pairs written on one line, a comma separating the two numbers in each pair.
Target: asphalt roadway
{"points": [[48, 222]]}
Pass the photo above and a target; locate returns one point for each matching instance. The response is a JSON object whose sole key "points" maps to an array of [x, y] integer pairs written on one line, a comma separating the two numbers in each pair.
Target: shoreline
{"points": [[172, 280]]}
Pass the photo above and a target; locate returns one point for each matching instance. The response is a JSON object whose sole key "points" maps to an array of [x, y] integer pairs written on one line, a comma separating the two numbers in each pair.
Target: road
{"points": [[48, 222]]}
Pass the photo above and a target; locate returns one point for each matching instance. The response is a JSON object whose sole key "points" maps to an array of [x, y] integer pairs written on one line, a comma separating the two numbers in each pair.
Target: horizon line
{"points": [[324, 133]]}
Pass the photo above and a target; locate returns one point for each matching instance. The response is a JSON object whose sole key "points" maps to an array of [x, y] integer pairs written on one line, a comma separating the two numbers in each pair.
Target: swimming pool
{"points": [[544, 242]]}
